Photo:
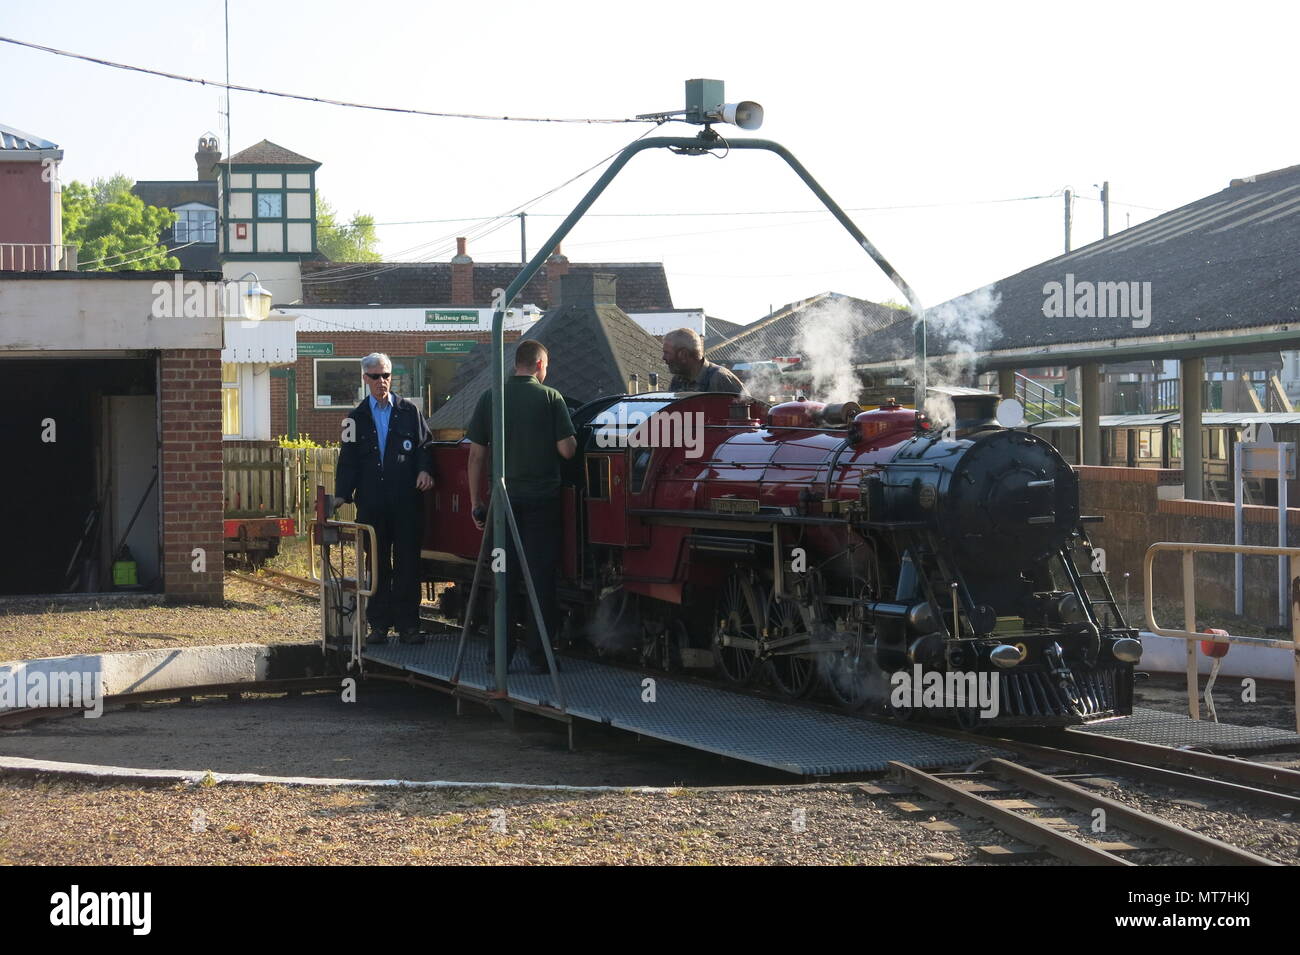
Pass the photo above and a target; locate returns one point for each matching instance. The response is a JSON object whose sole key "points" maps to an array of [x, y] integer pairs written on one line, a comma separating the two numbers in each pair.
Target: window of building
{"points": [[337, 383], [1150, 443], [195, 223], [230, 398]]}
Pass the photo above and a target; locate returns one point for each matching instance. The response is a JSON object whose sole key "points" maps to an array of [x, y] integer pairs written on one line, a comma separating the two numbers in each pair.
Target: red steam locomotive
{"points": [[824, 549]]}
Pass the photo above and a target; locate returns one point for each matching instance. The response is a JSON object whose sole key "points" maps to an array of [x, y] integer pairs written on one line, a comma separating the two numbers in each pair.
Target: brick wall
{"points": [[1136, 516], [323, 425], [279, 407], [190, 407]]}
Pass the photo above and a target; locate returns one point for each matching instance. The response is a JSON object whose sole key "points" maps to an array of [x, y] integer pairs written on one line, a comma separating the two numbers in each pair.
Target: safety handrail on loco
{"points": [[365, 557], [1189, 634]]}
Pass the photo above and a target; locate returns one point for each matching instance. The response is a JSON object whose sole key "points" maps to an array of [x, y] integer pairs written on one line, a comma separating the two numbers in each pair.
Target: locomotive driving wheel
{"points": [[845, 673], [739, 614], [793, 675]]}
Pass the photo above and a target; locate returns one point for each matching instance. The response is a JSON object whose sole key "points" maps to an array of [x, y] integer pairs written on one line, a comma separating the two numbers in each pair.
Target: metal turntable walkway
{"points": [[795, 739], [1177, 730]]}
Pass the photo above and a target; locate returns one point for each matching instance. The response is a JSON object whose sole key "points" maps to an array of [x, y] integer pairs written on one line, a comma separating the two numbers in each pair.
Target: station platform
{"points": [[1180, 730], [794, 739]]}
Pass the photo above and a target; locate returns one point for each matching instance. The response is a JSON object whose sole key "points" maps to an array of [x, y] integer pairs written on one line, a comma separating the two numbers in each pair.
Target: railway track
{"points": [[1032, 807]]}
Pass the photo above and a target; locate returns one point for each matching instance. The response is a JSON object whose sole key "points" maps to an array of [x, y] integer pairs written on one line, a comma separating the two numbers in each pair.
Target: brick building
{"points": [[425, 345], [116, 416], [429, 317]]}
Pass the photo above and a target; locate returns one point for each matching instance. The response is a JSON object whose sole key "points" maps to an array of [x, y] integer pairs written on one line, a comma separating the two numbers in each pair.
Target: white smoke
{"points": [[767, 384], [962, 328], [825, 342]]}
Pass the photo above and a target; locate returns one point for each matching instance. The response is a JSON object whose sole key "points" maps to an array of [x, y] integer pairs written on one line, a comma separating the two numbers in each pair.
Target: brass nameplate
{"points": [[734, 505]]}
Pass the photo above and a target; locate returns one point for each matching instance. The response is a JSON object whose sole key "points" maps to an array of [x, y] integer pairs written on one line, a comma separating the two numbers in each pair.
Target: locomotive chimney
{"points": [[974, 413]]}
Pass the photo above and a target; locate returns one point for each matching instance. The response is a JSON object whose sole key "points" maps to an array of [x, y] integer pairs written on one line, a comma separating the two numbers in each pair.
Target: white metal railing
{"points": [[1042, 403], [37, 257], [1189, 552]]}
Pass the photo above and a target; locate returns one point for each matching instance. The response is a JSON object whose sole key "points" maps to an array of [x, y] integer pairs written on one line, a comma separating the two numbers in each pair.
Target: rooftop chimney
{"points": [[462, 276], [557, 266], [207, 157], [587, 288]]}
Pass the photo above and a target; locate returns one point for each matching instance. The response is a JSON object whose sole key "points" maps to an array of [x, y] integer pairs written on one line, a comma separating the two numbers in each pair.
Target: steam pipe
{"points": [[693, 145]]}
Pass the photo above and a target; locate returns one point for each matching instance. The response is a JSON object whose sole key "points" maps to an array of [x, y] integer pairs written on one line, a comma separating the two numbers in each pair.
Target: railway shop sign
{"points": [[451, 316]]}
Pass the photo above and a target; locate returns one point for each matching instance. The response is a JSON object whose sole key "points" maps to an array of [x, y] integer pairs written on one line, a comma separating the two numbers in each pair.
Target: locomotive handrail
{"points": [[365, 557], [369, 564], [1189, 634]]}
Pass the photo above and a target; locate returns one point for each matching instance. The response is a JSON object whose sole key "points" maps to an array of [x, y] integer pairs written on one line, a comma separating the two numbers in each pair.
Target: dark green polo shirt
{"points": [[536, 418]]}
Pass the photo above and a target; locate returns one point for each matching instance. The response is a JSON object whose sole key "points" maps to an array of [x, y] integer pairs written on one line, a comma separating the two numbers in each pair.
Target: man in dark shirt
{"points": [[538, 434], [684, 356], [386, 464]]}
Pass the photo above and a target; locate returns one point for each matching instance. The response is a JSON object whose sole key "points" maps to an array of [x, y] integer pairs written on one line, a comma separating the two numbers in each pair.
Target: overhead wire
{"points": [[486, 228], [314, 99]]}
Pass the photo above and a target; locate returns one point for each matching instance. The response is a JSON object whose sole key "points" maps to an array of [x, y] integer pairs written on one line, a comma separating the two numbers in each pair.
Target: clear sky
{"points": [[946, 106]]}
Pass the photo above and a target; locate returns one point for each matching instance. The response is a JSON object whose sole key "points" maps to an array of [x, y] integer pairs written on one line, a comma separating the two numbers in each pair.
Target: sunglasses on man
{"points": [[375, 376]]}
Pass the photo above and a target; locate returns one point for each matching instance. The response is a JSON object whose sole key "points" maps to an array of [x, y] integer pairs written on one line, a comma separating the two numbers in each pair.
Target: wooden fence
{"points": [[277, 482]]}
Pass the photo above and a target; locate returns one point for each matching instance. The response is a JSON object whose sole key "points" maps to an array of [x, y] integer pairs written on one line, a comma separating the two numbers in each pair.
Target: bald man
{"points": [[684, 356]]}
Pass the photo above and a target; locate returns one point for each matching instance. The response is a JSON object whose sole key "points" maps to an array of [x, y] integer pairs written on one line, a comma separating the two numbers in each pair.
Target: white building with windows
{"points": [[250, 217]]}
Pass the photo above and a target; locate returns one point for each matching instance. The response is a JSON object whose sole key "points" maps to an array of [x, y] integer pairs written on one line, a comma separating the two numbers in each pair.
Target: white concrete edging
{"points": [[69, 681]]}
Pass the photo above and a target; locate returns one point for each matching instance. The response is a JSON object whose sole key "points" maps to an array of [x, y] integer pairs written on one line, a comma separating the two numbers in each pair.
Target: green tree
{"points": [[113, 228], [353, 242]]}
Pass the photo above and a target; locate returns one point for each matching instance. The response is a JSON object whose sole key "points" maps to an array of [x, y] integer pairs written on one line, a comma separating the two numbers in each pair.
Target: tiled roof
{"points": [[17, 140], [594, 350], [782, 333], [168, 194], [641, 285], [1221, 263], [269, 154]]}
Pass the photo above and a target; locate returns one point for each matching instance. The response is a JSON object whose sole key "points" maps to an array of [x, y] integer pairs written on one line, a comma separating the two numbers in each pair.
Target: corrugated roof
{"points": [[780, 334], [717, 331], [17, 140], [1225, 262], [1172, 417]]}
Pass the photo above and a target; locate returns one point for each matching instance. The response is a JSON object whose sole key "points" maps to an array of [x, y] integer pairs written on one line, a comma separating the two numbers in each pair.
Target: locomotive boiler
{"points": [[815, 548]]}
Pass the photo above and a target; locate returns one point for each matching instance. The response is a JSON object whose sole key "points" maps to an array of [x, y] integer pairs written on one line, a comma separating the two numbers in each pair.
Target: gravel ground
{"points": [[250, 614], [1266, 832], [69, 823]]}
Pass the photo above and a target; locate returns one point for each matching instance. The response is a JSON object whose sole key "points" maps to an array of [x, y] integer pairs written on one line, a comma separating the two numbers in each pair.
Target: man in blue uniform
{"points": [[386, 467], [539, 433]]}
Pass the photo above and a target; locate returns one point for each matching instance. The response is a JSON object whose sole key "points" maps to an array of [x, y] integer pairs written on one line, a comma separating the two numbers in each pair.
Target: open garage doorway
{"points": [[80, 485]]}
